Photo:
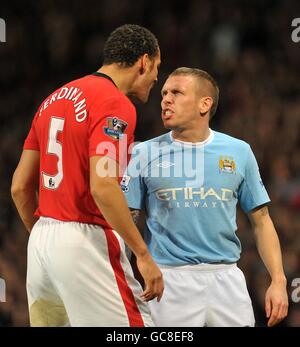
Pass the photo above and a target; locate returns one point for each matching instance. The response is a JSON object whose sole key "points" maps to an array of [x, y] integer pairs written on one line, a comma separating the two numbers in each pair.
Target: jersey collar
{"points": [[100, 74], [192, 144]]}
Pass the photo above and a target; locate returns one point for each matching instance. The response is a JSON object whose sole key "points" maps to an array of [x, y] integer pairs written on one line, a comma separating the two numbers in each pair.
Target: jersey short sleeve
{"points": [[252, 192], [132, 183], [111, 127], [31, 141]]}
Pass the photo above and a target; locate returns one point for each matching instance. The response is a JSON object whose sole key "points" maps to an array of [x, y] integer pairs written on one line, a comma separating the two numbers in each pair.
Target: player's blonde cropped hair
{"points": [[201, 75]]}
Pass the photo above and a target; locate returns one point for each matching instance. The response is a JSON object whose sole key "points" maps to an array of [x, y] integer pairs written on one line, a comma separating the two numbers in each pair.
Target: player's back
{"points": [[67, 129]]}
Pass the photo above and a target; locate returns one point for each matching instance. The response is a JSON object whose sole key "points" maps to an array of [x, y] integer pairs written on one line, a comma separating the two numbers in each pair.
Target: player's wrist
{"points": [[142, 253], [279, 279]]}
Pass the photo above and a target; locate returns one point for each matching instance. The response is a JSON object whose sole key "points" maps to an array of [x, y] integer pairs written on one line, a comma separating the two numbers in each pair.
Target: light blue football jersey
{"points": [[190, 192]]}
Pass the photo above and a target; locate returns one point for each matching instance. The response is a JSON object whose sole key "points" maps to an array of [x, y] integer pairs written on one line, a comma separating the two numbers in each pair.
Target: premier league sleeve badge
{"points": [[115, 127]]}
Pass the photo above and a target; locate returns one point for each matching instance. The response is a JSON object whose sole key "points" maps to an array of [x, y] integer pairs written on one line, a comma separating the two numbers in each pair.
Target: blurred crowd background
{"points": [[245, 45]]}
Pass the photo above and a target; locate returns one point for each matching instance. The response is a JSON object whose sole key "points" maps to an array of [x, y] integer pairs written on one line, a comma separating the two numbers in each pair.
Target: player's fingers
{"points": [[159, 296], [286, 309], [144, 298], [161, 288], [283, 311], [274, 318], [268, 307], [155, 289], [159, 292], [148, 293], [148, 297], [145, 295]]}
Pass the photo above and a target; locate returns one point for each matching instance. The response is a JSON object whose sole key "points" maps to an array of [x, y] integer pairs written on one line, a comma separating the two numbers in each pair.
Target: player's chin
{"points": [[143, 98], [146, 94], [168, 124], [138, 99]]}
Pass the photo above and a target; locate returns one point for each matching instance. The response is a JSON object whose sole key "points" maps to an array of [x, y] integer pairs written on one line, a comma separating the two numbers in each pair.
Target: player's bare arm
{"points": [[112, 204], [276, 301], [25, 186]]}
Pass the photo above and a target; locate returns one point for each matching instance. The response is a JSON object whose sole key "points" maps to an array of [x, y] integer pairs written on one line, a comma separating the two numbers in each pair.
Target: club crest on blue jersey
{"points": [[227, 164], [115, 127]]}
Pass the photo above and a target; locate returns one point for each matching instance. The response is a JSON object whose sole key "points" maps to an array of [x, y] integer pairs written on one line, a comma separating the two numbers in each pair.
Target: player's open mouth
{"points": [[167, 114]]}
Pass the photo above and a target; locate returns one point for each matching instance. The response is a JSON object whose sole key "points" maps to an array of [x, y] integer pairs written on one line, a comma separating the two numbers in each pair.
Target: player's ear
{"points": [[205, 105], [143, 63]]}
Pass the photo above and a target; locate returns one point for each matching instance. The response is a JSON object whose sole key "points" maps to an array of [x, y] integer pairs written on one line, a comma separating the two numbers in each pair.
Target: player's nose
{"points": [[166, 99]]}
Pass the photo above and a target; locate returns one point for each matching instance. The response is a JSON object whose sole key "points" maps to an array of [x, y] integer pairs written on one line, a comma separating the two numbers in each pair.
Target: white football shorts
{"points": [[203, 295], [78, 275]]}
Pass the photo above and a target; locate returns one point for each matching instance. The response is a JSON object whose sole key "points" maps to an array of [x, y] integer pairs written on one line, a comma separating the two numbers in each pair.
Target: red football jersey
{"points": [[86, 117]]}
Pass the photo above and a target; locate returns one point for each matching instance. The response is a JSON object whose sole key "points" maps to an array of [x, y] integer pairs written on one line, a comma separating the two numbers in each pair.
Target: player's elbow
{"points": [[94, 193], [102, 189], [17, 187]]}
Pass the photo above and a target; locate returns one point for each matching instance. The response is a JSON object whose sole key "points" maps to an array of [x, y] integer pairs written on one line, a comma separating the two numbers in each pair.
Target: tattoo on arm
{"points": [[256, 215], [264, 211], [135, 215]]}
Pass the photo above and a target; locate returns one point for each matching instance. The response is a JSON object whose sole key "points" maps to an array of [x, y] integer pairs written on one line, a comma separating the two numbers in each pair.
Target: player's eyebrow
{"points": [[163, 92], [173, 90]]}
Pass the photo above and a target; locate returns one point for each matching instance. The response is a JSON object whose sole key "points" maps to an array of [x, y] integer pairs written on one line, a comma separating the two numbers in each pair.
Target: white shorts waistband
{"points": [[199, 267], [50, 220]]}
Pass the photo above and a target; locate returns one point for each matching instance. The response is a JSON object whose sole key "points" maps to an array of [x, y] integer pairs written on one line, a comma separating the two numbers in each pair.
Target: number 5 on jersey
{"points": [[55, 148]]}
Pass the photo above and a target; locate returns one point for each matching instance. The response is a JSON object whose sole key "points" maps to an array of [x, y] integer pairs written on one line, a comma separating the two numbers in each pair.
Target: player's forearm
{"points": [[269, 249], [112, 204], [26, 203]]}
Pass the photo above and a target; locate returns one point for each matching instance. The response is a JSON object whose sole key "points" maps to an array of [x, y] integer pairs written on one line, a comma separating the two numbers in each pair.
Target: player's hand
{"points": [[276, 303], [153, 278]]}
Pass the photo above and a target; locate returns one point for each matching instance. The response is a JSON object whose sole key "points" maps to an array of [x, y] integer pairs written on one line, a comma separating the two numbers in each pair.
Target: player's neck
{"points": [[191, 135], [123, 78]]}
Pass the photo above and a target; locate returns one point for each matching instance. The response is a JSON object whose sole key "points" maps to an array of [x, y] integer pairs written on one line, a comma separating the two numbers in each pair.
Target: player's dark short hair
{"points": [[213, 88], [126, 44]]}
